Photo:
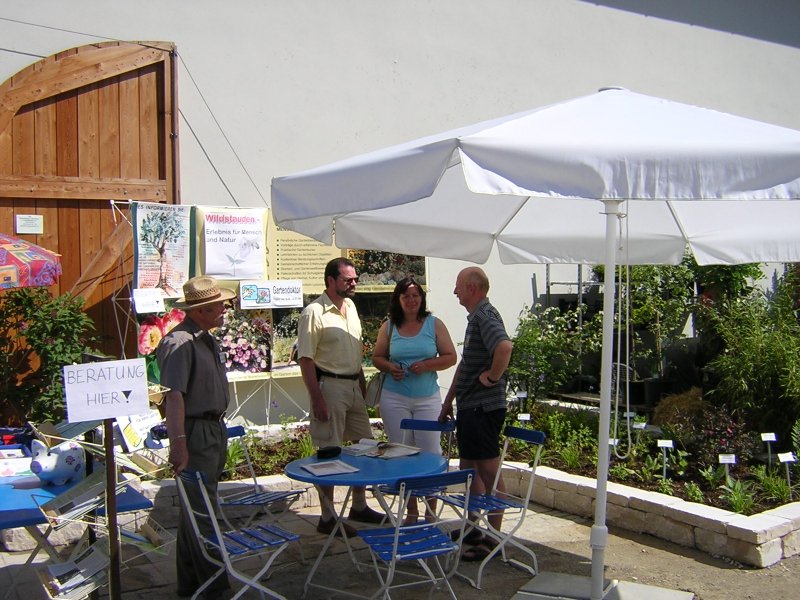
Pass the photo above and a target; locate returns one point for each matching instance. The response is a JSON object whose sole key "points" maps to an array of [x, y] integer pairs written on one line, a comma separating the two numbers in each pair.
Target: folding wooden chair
{"points": [[424, 543], [249, 495], [514, 507], [227, 549]]}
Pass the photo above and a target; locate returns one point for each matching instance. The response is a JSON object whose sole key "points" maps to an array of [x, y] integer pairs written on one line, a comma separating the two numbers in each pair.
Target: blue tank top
{"points": [[408, 350]]}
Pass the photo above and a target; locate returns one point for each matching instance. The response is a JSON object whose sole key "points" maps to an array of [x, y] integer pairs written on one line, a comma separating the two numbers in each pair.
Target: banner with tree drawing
{"points": [[163, 236]]}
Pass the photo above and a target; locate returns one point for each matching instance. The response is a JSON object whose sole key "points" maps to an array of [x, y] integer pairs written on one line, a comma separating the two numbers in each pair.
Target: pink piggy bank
{"points": [[59, 464]]}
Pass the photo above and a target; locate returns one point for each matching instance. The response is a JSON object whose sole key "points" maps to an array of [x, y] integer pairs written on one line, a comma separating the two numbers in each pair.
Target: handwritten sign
{"points": [[271, 294], [148, 300], [104, 390]]}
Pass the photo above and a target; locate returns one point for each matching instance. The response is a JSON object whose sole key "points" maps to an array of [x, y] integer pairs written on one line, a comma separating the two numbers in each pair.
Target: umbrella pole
{"points": [[599, 536]]}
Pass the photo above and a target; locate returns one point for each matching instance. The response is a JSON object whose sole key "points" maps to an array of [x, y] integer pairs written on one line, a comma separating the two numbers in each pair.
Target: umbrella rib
{"points": [[511, 217], [677, 218]]}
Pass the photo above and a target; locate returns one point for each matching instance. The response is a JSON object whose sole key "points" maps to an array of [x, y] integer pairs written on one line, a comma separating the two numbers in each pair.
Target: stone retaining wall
{"points": [[759, 540]]}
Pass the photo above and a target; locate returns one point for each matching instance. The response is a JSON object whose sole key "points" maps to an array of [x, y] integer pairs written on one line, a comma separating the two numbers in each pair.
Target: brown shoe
{"points": [[366, 515], [327, 526]]}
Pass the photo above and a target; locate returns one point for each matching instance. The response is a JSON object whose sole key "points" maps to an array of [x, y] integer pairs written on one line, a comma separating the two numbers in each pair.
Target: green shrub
{"points": [[758, 372], [39, 335]]}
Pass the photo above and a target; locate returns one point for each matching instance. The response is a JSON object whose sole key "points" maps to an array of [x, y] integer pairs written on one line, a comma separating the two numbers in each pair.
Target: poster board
{"points": [[163, 246]]}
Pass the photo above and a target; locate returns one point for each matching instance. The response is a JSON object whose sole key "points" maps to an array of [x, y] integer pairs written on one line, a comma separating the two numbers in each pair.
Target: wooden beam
{"points": [[105, 260], [38, 186]]}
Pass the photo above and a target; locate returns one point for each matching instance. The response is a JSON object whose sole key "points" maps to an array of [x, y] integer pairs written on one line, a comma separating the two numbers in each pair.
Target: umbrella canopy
{"points": [[23, 264], [614, 177], [521, 183]]}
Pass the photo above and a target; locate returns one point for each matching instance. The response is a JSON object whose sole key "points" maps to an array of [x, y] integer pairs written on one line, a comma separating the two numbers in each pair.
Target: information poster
{"points": [[295, 256], [163, 246], [104, 390], [234, 240]]}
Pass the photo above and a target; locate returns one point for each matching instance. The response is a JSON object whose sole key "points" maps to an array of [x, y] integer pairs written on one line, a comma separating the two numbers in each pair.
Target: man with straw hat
{"points": [[191, 367]]}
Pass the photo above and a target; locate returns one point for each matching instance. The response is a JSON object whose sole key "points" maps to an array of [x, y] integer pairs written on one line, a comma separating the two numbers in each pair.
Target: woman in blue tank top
{"points": [[420, 346]]}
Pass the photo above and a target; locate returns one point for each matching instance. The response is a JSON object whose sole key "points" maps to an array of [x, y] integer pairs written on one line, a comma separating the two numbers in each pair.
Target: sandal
{"points": [[476, 553], [473, 538]]}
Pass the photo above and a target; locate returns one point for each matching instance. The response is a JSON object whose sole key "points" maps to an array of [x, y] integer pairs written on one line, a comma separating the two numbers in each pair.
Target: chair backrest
{"points": [[194, 480], [238, 434], [432, 485], [529, 436], [446, 428]]}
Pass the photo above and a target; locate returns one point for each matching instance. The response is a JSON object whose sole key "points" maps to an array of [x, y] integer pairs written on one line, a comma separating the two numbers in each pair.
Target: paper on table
{"points": [[329, 467], [370, 447]]}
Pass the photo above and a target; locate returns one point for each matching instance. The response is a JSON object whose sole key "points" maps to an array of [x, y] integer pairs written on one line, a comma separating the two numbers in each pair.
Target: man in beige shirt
{"points": [[330, 351]]}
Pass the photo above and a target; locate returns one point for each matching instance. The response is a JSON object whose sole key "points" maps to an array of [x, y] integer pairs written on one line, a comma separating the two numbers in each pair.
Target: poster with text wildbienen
{"points": [[104, 390]]}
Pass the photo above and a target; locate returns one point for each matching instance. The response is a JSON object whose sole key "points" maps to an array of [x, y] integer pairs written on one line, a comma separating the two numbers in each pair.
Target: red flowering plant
{"points": [[246, 340], [151, 330]]}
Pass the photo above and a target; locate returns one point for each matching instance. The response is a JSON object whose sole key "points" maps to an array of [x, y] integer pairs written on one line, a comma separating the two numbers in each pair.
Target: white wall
{"points": [[297, 84]]}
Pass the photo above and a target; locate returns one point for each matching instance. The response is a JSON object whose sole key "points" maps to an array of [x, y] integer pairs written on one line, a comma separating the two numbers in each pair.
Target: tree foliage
{"points": [[39, 335]]}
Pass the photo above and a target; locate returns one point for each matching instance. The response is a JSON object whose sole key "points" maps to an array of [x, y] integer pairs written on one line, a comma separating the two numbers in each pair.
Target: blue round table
{"points": [[371, 470]]}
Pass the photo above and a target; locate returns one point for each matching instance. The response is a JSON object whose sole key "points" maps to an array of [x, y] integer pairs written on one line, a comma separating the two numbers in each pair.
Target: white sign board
{"points": [[768, 437], [785, 457], [665, 443], [32, 224], [104, 390], [271, 294], [148, 300], [727, 459]]}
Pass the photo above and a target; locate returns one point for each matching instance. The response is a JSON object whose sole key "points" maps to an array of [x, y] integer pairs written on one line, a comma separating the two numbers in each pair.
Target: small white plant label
{"points": [[522, 394], [613, 441], [787, 457], [629, 415], [665, 443], [768, 437], [639, 425], [727, 459], [524, 416]]}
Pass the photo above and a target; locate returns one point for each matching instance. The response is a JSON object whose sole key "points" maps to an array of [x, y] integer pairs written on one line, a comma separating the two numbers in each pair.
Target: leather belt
{"points": [[209, 415], [321, 373]]}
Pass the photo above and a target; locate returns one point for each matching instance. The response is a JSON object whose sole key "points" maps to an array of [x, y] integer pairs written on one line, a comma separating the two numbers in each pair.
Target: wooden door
{"points": [[77, 130]]}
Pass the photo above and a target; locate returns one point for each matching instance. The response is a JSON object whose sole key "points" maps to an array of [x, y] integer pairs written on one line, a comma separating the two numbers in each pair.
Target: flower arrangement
{"points": [[151, 330], [246, 340]]}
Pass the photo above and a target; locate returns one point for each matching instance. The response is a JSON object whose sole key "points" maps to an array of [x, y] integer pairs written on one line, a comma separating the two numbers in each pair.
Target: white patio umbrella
{"points": [[614, 177]]}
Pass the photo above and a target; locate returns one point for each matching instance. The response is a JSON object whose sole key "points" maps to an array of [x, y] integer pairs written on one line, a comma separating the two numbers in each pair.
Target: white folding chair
{"points": [[514, 507], [424, 543], [227, 549], [249, 495]]}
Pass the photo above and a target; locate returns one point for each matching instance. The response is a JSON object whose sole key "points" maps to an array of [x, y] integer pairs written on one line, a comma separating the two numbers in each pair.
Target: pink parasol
{"points": [[23, 264]]}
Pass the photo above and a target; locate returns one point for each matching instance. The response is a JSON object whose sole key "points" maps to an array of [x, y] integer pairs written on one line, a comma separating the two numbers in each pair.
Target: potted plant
{"points": [[548, 349], [656, 303]]}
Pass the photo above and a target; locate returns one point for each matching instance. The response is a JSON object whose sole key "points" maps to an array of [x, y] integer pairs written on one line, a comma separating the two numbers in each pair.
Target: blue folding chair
{"points": [[514, 507], [249, 495], [226, 549], [424, 543]]}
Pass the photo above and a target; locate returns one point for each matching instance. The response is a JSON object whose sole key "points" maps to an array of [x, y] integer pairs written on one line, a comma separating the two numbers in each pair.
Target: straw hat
{"points": [[200, 291]]}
